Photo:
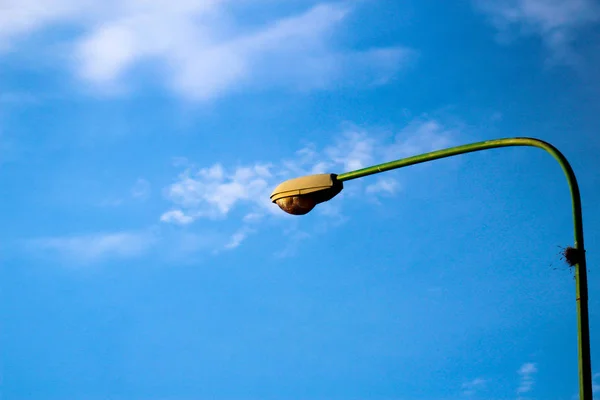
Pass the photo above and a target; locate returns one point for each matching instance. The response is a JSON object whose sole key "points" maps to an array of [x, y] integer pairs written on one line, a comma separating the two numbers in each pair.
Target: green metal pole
{"points": [[581, 290]]}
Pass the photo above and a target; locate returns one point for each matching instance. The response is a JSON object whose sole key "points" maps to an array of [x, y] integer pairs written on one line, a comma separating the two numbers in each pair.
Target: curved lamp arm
{"points": [[585, 369]]}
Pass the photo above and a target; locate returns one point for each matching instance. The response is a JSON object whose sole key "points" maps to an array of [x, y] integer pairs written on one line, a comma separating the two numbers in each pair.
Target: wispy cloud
{"points": [[176, 217], [238, 237], [203, 50], [383, 185], [216, 192], [87, 249], [212, 192], [472, 387], [252, 217], [354, 151], [527, 377], [556, 22], [422, 135], [241, 195]]}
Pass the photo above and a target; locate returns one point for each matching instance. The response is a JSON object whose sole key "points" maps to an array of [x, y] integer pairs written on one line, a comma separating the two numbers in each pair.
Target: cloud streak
{"points": [[93, 248], [212, 192], [217, 193], [240, 195], [527, 377], [199, 46], [472, 387], [556, 22]]}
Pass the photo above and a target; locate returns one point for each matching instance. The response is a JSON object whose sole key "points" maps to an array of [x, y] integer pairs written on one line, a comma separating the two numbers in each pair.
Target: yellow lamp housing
{"points": [[300, 195]]}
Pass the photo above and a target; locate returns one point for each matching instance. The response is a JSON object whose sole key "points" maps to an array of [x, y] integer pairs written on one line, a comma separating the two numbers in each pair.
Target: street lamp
{"points": [[300, 195]]}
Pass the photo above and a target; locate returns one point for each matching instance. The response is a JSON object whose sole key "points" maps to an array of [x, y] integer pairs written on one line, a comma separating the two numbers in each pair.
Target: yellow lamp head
{"points": [[300, 195]]}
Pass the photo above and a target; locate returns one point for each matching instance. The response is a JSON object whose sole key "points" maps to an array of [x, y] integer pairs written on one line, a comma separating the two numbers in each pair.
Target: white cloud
{"points": [[556, 22], [420, 136], [383, 185], [253, 217], [354, 151], [21, 17], [177, 217], [237, 238], [96, 247], [200, 46], [526, 373], [214, 192], [242, 193], [472, 387]]}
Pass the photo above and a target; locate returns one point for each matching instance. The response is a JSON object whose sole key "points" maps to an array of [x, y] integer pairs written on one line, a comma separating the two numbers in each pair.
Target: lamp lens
{"points": [[296, 205]]}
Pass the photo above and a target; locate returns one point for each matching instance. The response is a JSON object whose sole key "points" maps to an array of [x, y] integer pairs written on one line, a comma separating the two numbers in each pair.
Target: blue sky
{"points": [[141, 258]]}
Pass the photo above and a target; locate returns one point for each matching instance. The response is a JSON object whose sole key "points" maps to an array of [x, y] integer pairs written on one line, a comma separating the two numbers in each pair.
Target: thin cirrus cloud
{"points": [[527, 377], [214, 192], [556, 22], [217, 193], [200, 47], [473, 387], [238, 237], [93, 248], [383, 186]]}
